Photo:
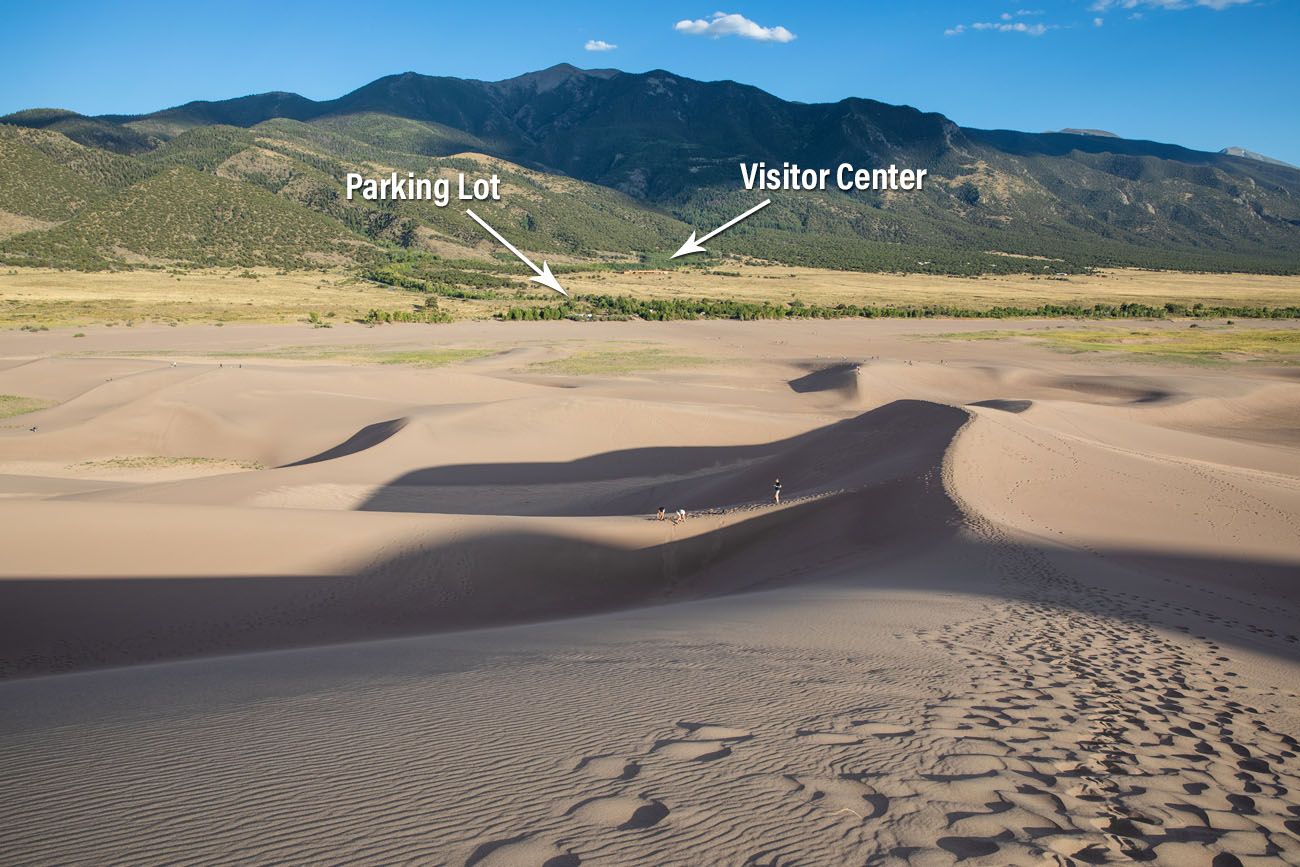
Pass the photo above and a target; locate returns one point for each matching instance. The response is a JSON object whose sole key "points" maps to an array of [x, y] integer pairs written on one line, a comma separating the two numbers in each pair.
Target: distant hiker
{"points": [[680, 516], [661, 513], [776, 492]]}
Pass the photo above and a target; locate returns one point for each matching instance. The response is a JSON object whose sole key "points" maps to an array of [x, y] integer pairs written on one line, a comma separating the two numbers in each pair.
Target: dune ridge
{"points": [[866, 479]]}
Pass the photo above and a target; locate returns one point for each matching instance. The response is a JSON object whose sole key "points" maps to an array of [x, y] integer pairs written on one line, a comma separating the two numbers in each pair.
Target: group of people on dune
{"points": [[680, 514]]}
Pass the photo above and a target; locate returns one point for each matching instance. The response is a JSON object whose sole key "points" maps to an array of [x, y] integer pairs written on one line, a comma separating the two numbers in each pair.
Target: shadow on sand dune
{"points": [[368, 437], [490, 579], [872, 486], [887, 498], [841, 378], [65, 625], [1135, 390], [1004, 405], [881, 500], [903, 438]]}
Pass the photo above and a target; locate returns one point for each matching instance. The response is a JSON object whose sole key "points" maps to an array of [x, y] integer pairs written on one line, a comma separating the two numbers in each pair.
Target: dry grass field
{"points": [[1201, 343], [42, 298], [38, 297], [819, 286]]}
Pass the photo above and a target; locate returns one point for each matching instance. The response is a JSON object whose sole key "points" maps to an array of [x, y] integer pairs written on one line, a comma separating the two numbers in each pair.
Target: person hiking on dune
{"points": [[776, 492]]}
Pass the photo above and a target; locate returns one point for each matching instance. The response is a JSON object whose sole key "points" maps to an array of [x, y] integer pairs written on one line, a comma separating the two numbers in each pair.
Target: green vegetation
{"points": [[159, 462], [661, 309], [49, 177], [14, 404], [431, 357], [425, 316], [429, 312], [614, 361], [450, 279], [1184, 344], [182, 215], [88, 131]]}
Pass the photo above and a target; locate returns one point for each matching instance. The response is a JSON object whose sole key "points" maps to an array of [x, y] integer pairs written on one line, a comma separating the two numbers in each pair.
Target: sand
{"points": [[1016, 607]]}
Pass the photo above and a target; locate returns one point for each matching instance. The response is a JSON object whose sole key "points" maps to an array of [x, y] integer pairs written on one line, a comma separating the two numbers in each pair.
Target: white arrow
{"points": [[693, 246], [544, 275]]}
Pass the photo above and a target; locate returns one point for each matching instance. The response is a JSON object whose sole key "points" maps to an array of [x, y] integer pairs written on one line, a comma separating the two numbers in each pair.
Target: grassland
{"points": [[160, 462], [415, 357], [36, 297], [1195, 344], [431, 357], [780, 283], [15, 404], [617, 360], [43, 297]]}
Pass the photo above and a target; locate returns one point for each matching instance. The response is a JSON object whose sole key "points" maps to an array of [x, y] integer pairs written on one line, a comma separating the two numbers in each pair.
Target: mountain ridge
{"points": [[244, 110], [671, 145]]}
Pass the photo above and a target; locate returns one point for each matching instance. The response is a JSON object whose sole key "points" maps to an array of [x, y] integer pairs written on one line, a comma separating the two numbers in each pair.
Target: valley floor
{"points": [[37, 298], [265, 598]]}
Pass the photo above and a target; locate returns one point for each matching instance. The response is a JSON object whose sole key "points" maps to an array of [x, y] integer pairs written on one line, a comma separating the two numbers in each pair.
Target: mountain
{"points": [[604, 162], [1101, 132], [46, 176], [180, 215], [1251, 155], [272, 195], [91, 131]]}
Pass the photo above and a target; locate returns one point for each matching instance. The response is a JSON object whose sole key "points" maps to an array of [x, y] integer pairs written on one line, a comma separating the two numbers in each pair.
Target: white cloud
{"points": [[1017, 27], [1006, 23], [731, 24], [599, 45], [1217, 5]]}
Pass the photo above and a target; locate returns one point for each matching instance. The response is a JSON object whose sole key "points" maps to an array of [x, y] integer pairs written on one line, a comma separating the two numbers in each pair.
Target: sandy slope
{"points": [[1019, 607]]}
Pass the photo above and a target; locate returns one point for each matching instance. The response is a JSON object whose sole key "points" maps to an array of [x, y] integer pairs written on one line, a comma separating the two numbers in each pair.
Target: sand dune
{"points": [[1017, 607], [863, 479]]}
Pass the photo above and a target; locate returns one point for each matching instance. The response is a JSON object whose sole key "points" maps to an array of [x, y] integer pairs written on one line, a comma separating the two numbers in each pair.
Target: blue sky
{"points": [[1202, 73]]}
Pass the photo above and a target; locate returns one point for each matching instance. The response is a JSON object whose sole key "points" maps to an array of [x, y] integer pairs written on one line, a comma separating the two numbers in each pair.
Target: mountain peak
{"points": [[1252, 155], [553, 76]]}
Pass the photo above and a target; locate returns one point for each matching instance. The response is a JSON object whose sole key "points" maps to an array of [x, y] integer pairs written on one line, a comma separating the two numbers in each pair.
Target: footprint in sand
{"points": [[609, 767], [968, 847], [841, 796], [521, 850], [711, 732], [703, 742], [881, 729], [695, 751], [622, 812]]}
